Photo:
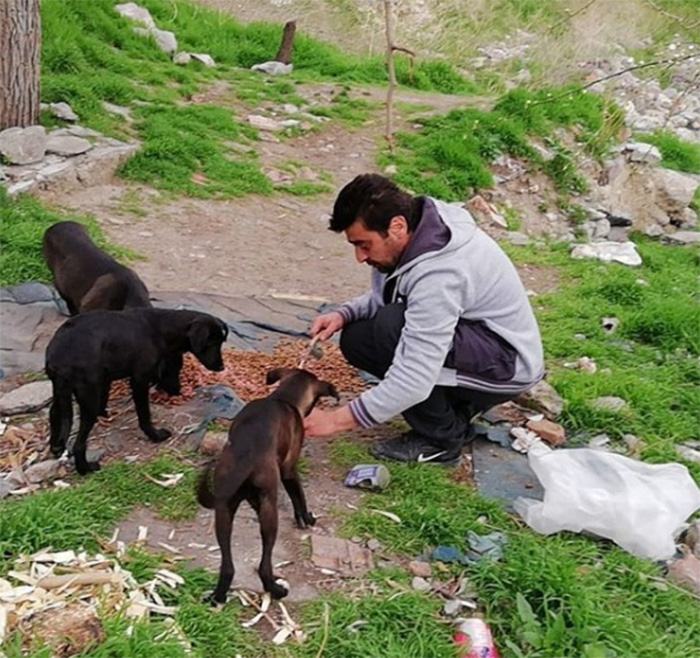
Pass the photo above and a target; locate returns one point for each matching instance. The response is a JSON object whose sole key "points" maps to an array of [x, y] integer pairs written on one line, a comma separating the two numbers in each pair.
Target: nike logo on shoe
{"points": [[422, 459]]}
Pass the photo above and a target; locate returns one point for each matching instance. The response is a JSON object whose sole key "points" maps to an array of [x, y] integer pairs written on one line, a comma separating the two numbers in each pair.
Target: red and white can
{"points": [[474, 639]]}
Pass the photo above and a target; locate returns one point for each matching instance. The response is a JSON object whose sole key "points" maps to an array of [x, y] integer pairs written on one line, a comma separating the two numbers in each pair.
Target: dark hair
{"points": [[375, 200]]}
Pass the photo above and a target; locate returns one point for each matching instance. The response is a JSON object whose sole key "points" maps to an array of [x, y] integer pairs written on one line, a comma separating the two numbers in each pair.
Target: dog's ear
{"points": [[277, 374], [198, 335], [326, 389]]}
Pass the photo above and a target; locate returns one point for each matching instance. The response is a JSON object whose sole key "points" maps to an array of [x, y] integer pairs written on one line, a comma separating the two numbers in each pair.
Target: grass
{"points": [[23, 222], [675, 153], [449, 158]]}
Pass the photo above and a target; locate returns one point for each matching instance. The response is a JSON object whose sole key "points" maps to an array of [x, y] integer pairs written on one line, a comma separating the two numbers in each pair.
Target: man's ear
{"points": [[398, 227], [326, 389], [277, 374]]}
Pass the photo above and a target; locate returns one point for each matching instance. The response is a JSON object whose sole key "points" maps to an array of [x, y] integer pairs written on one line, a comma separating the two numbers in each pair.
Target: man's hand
{"points": [[327, 423], [327, 324]]}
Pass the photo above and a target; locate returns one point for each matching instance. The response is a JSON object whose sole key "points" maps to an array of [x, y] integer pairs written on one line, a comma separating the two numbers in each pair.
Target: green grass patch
{"points": [[185, 152], [23, 221], [349, 111], [675, 153], [305, 188], [449, 158]]}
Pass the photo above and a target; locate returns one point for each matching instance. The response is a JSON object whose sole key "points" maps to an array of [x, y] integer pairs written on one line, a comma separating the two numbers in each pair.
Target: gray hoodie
{"points": [[458, 287]]}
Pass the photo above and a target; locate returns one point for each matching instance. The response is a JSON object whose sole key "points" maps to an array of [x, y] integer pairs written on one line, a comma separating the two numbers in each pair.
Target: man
{"points": [[447, 325]]}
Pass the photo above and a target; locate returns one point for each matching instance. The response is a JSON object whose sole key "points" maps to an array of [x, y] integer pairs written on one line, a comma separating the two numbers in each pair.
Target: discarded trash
{"points": [[524, 439], [585, 363], [368, 476], [480, 546], [447, 554], [610, 325], [420, 584], [638, 506], [474, 639]]}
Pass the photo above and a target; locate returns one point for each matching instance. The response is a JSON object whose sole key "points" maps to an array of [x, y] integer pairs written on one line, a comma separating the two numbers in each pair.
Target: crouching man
{"points": [[447, 325]]}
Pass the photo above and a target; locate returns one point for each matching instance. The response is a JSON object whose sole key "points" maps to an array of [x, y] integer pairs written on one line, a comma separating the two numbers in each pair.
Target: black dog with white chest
{"points": [[264, 442], [92, 350]]}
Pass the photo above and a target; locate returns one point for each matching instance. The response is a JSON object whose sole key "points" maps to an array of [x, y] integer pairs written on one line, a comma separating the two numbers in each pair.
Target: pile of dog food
{"points": [[245, 372]]}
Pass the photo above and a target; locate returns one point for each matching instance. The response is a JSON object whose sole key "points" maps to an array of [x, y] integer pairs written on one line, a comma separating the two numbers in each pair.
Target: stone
{"points": [[420, 584], [273, 68], [26, 399], [551, 432], [594, 214], [205, 59], [609, 403], [618, 234], [601, 229], [542, 397], [642, 152], [31, 293], [674, 190], [374, 545], [625, 253], [81, 131], [41, 471], [653, 231], [686, 571], [420, 568], [213, 443], [63, 111], [688, 218], [340, 555], [21, 187], [133, 12], [485, 212], [166, 40], [116, 109], [53, 170], [682, 237], [391, 170], [68, 145], [182, 58], [290, 108], [22, 146], [517, 239], [265, 123]]}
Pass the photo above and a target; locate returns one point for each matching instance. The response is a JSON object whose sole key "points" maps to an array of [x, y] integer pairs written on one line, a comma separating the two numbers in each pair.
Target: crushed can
{"points": [[368, 476], [474, 640]]}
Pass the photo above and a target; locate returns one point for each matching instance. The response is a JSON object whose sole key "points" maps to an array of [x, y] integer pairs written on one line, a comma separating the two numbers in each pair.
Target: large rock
{"points": [[67, 145], [682, 237], [674, 190], [544, 398], [23, 145], [642, 152], [133, 12], [166, 40], [26, 399], [621, 252]]}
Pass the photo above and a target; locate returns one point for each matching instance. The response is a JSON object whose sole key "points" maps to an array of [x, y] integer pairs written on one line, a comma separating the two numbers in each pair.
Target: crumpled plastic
{"points": [[481, 547], [638, 506]]}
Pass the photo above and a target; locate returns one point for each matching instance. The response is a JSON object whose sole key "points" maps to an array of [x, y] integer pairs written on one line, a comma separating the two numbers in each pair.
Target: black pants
{"points": [[444, 417]]}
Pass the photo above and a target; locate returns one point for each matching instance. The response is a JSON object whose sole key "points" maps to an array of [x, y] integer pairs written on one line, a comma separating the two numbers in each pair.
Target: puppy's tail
{"points": [[205, 487]]}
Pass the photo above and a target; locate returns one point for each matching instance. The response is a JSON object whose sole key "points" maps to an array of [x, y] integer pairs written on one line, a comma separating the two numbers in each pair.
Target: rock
{"points": [[26, 399], [618, 234], [653, 231], [688, 453], [682, 237], [674, 190], [633, 444], [594, 214], [610, 324], [21, 187], [420, 584], [542, 397], [642, 152], [182, 58], [23, 145], [340, 555], [7, 486], [452, 607], [599, 441], [278, 177], [31, 293], [691, 537], [41, 471], [67, 145], [273, 68], [391, 170], [374, 545], [205, 59], [551, 432], [213, 443], [485, 212], [601, 229], [133, 12], [63, 111], [116, 109], [166, 40], [686, 571], [517, 239], [688, 218], [80, 131], [264, 123], [609, 403], [625, 252], [420, 568]]}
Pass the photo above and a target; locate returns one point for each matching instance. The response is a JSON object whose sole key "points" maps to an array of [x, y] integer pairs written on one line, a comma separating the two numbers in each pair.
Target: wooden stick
{"points": [[84, 578]]}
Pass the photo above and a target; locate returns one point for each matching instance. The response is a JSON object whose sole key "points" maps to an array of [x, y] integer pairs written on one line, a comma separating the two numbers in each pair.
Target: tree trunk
{"points": [[20, 48], [284, 54]]}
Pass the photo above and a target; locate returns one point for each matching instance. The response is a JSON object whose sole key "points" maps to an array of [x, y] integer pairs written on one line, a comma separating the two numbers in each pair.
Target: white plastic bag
{"points": [[638, 506]]}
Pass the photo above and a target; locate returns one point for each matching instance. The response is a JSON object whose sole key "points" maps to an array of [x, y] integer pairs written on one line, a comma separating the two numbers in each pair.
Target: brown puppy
{"points": [[85, 276], [264, 442]]}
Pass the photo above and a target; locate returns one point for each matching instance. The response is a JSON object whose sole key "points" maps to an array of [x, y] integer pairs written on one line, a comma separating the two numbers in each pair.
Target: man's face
{"points": [[374, 248]]}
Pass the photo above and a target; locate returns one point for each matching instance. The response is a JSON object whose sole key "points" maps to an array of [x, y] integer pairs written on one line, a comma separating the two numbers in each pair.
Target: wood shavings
{"points": [[171, 479], [389, 515], [143, 533]]}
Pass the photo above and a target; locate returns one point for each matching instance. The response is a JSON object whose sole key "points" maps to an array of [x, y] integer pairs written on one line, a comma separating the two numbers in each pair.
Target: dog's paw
{"points": [[279, 589], [305, 521], [161, 435]]}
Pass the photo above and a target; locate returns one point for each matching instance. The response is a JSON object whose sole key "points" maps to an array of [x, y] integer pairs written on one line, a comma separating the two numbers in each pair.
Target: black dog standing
{"points": [[264, 442], [92, 350]]}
